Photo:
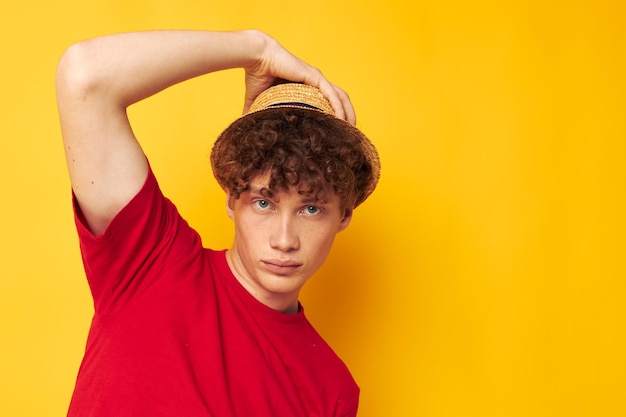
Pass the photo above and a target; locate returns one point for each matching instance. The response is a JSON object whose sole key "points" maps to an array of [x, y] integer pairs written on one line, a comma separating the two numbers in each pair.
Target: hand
{"points": [[276, 63]]}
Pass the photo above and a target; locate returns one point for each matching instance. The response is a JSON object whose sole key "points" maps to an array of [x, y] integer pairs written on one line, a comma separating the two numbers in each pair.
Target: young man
{"points": [[180, 330]]}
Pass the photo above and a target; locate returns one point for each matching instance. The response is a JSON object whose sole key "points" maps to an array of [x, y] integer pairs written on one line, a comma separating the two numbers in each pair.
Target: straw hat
{"points": [[304, 96]]}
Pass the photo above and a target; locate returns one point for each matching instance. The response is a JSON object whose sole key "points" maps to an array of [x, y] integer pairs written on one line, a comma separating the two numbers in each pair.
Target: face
{"points": [[281, 241]]}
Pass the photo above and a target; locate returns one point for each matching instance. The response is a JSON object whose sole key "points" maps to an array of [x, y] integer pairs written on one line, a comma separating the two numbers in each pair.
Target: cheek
{"points": [[321, 242], [250, 231], [243, 230]]}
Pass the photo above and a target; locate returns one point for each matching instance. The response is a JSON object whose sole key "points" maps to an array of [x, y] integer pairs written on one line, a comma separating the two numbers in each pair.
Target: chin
{"points": [[282, 284]]}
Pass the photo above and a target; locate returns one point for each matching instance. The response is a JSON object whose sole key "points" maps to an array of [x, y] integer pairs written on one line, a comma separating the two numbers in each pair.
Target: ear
{"points": [[345, 219], [230, 206]]}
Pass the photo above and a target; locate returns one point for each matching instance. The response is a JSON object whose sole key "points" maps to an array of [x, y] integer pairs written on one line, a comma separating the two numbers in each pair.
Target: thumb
{"points": [[254, 86]]}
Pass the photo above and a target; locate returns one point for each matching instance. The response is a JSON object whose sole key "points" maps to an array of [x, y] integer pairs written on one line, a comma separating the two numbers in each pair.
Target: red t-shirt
{"points": [[174, 333]]}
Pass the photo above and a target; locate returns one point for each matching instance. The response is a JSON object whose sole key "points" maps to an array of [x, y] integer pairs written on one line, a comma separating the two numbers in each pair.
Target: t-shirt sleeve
{"points": [[138, 250]]}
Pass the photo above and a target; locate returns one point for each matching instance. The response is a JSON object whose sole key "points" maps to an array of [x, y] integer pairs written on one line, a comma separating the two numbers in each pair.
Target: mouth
{"points": [[280, 267]]}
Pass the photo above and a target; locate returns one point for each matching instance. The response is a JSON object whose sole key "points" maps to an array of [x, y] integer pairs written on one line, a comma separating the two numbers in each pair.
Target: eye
{"points": [[312, 210], [262, 204]]}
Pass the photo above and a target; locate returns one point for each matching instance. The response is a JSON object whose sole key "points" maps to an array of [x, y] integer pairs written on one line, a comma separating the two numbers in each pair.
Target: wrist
{"points": [[257, 44]]}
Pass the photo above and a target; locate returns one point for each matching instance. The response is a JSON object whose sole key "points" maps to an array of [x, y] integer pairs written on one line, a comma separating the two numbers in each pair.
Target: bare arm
{"points": [[99, 78]]}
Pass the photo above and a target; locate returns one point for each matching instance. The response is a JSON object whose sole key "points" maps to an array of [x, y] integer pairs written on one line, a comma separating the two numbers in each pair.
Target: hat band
{"points": [[294, 104]]}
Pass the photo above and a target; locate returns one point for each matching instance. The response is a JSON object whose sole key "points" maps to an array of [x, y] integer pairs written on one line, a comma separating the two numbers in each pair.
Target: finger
{"points": [[254, 87], [348, 108], [333, 96]]}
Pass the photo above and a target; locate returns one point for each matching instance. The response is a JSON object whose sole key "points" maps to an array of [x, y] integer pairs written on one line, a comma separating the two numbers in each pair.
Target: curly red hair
{"points": [[296, 148]]}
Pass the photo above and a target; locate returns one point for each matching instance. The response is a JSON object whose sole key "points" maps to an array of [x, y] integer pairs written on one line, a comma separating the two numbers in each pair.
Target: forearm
{"points": [[126, 68]]}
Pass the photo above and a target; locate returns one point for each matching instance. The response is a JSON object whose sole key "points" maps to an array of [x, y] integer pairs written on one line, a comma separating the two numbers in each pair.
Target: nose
{"points": [[284, 235]]}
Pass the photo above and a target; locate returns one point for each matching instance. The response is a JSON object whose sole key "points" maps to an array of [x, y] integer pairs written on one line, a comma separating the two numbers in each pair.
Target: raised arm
{"points": [[99, 78]]}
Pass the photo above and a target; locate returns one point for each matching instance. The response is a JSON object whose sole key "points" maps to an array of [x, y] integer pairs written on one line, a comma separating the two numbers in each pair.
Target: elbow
{"points": [[76, 72]]}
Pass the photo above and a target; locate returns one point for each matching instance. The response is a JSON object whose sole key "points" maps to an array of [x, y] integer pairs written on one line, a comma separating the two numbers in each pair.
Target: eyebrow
{"points": [[311, 200], [273, 195]]}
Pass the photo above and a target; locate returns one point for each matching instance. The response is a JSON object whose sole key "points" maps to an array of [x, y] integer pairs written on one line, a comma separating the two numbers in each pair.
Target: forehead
{"points": [[260, 184]]}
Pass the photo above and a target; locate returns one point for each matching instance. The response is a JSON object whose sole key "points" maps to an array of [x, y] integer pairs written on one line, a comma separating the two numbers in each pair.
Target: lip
{"points": [[280, 267]]}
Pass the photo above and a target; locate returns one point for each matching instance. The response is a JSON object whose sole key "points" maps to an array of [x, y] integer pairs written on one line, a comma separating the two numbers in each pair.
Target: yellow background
{"points": [[485, 277]]}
